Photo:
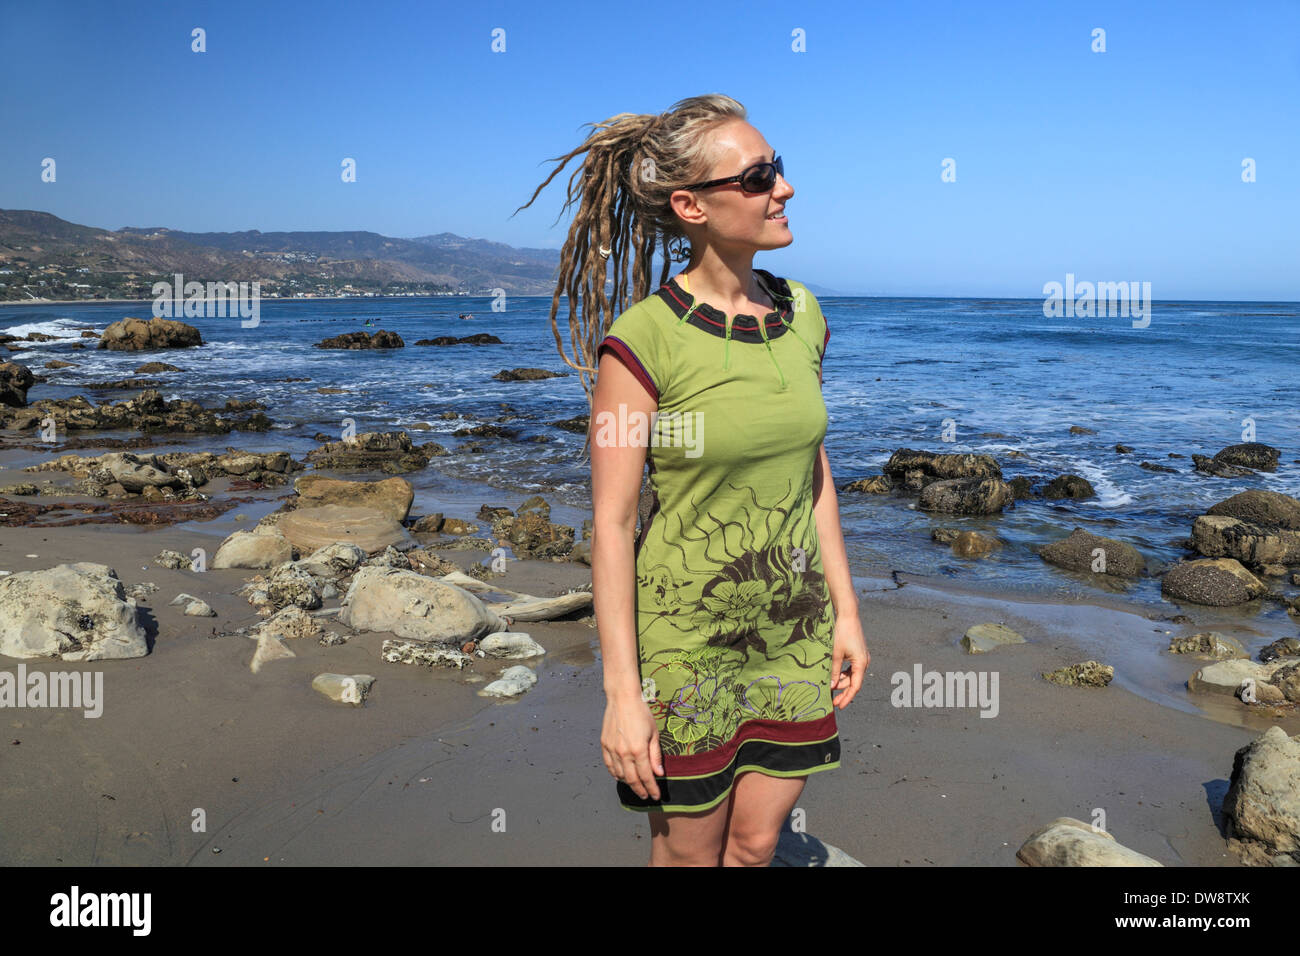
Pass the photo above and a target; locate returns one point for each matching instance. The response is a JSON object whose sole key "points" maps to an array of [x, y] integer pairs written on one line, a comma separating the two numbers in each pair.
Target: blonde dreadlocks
{"points": [[634, 163]]}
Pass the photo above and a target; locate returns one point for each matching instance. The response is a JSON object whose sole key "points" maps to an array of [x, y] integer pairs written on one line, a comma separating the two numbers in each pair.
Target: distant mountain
{"points": [[43, 256], [33, 241]]}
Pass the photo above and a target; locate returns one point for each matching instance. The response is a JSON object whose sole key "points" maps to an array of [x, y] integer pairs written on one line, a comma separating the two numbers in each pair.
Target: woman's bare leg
{"points": [[760, 805], [688, 839]]}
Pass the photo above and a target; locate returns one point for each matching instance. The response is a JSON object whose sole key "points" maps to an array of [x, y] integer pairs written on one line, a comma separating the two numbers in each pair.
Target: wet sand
{"points": [[427, 772]]}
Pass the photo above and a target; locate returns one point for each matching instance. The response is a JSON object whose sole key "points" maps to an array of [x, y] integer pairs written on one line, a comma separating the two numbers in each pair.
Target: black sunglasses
{"points": [[758, 178]]}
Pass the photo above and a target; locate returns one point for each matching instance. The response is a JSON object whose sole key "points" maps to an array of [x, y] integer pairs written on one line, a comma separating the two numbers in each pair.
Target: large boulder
{"points": [[392, 496], [410, 605], [370, 529], [1070, 842], [137, 335], [913, 470], [1262, 806], [76, 612], [1215, 582], [1268, 509], [15, 380], [260, 547], [1220, 535], [137, 472], [1079, 552], [383, 339], [966, 496], [1254, 455]]}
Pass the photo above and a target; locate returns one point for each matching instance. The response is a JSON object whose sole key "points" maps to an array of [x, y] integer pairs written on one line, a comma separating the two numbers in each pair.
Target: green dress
{"points": [[733, 616]]}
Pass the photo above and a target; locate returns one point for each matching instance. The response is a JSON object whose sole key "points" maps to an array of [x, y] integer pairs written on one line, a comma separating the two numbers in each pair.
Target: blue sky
{"points": [[1122, 165]]}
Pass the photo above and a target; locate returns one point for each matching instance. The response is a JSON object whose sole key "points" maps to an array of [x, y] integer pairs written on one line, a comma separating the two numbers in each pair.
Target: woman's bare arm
{"points": [[616, 470]]}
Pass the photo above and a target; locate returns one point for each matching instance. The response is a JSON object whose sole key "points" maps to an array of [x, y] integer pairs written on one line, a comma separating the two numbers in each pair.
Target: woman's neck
{"points": [[722, 289]]}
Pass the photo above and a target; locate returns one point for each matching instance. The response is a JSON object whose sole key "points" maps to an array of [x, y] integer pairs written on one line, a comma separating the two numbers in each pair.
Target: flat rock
{"points": [[369, 529], [1070, 842]]}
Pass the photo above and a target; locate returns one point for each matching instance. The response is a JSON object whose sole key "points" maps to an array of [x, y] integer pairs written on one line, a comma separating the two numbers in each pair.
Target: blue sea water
{"points": [[899, 373]]}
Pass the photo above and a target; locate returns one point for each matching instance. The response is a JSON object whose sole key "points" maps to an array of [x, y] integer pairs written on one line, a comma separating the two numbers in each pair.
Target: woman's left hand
{"points": [[849, 646]]}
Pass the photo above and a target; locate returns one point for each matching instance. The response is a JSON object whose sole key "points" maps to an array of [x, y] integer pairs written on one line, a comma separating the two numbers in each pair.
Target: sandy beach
{"points": [[427, 772]]}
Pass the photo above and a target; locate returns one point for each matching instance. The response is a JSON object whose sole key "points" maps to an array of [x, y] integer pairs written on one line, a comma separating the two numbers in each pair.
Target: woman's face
{"points": [[732, 218]]}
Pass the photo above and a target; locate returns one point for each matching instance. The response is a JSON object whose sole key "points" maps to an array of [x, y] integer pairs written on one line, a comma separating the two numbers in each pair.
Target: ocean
{"points": [[899, 373]]}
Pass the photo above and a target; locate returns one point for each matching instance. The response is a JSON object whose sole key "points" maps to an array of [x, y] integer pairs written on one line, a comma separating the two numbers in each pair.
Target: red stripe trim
{"points": [[781, 731], [625, 354]]}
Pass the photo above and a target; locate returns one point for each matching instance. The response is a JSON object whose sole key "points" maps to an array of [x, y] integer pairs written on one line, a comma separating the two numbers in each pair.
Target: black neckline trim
{"points": [[744, 327]]}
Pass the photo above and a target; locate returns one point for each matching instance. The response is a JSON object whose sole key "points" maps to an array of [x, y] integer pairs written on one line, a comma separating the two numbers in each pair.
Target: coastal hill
{"points": [[43, 257]]}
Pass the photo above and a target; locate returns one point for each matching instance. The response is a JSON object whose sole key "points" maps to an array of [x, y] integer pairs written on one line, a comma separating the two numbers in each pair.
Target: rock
{"points": [[530, 535], [137, 472], [482, 338], [1069, 486], [133, 335], [309, 529], [457, 526], [345, 688], [1232, 677], [57, 363], [147, 412], [1253, 455], [1268, 509], [1070, 842], [334, 560], [512, 682], [258, 548], [526, 374], [332, 639], [1085, 674], [510, 645], [290, 585], [414, 606], [173, 560], [913, 470], [1208, 644], [581, 553], [194, 607], [804, 849], [383, 339], [1081, 430], [389, 452], [1219, 469], [427, 524], [392, 496], [75, 612], [1282, 647], [1217, 536], [390, 557], [1092, 554], [15, 380], [290, 624], [967, 496], [1022, 487], [871, 485], [153, 368], [1262, 805], [269, 648], [1287, 679], [983, 638], [400, 651], [1220, 582], [972, 544]]}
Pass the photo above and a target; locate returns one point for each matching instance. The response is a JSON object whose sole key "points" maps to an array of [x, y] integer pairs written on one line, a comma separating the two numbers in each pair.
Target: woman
{"points": [[720, 647]]}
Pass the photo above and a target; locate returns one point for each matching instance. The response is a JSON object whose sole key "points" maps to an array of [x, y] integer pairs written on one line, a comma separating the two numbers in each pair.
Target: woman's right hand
{"points": [[629, 742]]}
